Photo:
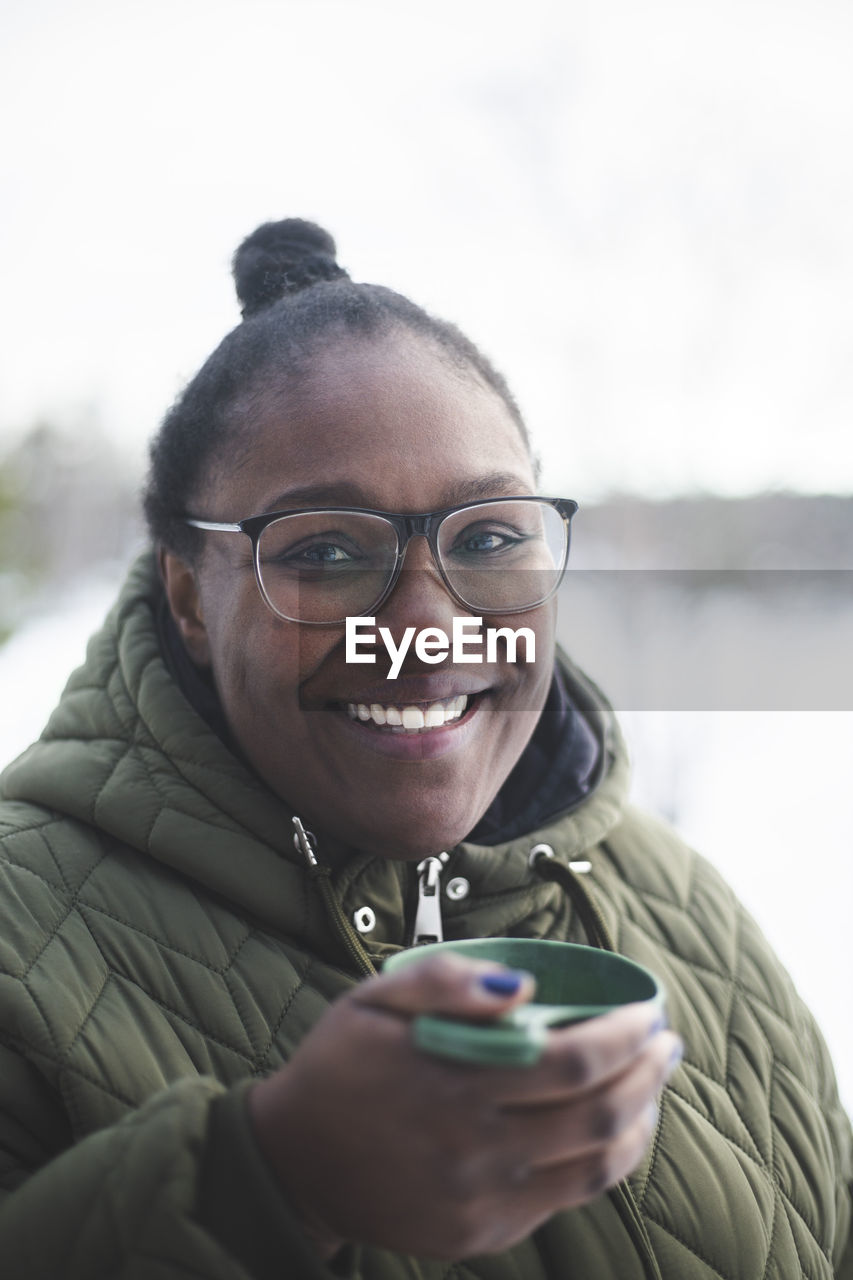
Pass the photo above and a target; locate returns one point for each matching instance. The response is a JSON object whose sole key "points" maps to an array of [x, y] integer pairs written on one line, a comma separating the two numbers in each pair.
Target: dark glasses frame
{"points": [[407, 525]]}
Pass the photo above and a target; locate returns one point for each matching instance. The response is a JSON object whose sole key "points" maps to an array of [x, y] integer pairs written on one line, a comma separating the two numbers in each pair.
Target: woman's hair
{"points": [[294, 298]]}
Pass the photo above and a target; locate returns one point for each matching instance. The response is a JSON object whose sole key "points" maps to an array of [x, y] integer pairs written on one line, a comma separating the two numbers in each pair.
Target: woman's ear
{"points": [[182, 592]]}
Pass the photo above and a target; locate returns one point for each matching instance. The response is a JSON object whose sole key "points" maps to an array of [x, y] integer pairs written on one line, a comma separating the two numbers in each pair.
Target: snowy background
{"points": [[643, 213]]}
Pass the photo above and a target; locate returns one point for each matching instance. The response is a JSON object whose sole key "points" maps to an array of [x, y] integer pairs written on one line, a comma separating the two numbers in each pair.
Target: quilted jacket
{"points": [[162, 944]]}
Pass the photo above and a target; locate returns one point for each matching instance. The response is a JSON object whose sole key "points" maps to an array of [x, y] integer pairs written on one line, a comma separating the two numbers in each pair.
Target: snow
{"points": [[37, 661], [766, 796]]}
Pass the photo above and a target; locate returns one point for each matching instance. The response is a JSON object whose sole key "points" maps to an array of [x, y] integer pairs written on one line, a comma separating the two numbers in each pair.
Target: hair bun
{"points": [[280, 258]]}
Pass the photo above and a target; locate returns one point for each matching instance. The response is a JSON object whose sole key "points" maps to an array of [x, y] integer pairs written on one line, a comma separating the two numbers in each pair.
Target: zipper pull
{"points": [[305, 842], [428, 919]]}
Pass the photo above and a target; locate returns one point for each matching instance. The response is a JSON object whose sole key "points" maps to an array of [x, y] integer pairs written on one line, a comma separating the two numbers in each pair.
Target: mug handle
{"points": [[516, 1040]]}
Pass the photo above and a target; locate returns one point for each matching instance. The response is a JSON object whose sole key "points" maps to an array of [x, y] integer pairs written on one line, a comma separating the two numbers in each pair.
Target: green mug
{"points": [[572, 983]]}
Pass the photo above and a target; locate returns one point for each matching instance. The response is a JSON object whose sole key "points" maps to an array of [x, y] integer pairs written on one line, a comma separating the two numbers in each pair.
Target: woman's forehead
{"points": [[278, 479], [388, 425]]}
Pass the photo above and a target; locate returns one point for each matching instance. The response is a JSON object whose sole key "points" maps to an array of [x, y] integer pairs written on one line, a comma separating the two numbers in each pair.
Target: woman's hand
{"points": [[375, 1141]]}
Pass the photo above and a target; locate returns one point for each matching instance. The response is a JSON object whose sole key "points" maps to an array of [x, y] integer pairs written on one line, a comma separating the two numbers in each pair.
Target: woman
{"points": [[230, 823]]}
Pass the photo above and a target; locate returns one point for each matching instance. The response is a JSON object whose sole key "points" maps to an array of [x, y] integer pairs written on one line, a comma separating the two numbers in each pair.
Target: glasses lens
{"points": [[327, 565], [503, 557]]}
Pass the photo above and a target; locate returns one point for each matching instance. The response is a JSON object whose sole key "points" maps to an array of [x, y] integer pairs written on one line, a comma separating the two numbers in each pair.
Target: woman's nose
{"points": [[420, 597]]}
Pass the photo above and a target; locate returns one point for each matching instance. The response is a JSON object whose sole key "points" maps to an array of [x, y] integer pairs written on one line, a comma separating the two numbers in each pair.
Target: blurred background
{"points": [[642, 213]]}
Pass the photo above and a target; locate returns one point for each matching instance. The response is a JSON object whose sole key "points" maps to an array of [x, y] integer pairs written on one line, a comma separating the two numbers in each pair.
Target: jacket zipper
{"points": [[428, 926], [306, 844]]}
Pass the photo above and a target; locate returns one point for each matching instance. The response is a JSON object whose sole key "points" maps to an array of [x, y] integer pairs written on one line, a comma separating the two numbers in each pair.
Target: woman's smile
{"points": [[415, 731], [409, 718]]}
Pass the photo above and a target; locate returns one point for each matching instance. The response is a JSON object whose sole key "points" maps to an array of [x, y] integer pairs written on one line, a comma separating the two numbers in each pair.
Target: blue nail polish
{"points": [[501, 984], [676, 1056]]}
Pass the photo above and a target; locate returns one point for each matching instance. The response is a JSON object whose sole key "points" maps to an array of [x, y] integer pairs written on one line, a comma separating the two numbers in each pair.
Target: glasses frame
{"points": [[407, 525]]}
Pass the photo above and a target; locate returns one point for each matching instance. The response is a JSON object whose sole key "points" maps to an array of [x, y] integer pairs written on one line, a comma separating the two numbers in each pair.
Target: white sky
{"points": [[644, 213]]}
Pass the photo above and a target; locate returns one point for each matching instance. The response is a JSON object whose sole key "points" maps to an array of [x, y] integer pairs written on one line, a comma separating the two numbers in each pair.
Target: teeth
{"points": [[410, 719]]}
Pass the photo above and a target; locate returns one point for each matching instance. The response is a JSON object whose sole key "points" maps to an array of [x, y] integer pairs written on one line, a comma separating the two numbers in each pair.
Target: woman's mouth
{"points": [[412, 725], [410, 718]]}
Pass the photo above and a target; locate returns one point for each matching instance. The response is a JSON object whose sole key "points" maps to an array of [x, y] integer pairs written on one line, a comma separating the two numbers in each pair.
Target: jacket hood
{"points": [[125, 752]]}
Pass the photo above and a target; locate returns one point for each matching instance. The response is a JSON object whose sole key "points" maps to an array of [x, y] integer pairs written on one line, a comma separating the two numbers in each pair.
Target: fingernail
{"points": [[504, 983], [660, 1023], [675, 1057]]}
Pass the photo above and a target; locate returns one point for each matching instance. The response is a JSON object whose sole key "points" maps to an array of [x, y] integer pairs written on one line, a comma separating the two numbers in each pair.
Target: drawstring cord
{"points": [[544, 862], [626, 1206], [305, 843]]}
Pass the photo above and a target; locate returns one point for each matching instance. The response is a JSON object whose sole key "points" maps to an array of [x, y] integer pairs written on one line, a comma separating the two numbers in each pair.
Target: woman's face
{"points": [[390, 426]]}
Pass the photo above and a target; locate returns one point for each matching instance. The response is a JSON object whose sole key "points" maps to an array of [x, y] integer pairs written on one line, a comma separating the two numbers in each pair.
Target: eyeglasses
{"points": [[321, 566]]}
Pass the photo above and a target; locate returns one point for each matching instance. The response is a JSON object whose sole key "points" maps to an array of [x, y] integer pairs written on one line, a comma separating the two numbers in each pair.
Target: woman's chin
{"points": [[406, 837]]}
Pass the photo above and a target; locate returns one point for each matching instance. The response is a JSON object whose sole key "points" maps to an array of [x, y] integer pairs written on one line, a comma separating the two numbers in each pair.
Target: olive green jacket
{"points": [[162, 943]]}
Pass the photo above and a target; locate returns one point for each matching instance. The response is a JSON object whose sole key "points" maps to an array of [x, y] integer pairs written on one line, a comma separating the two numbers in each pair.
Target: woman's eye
{"points": [[323, 553], [317, 552], [486, 541]]}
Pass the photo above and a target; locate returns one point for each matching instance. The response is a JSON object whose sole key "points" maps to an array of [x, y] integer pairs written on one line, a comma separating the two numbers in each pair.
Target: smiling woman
{"points": [[231, 822], [284, 688]]}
